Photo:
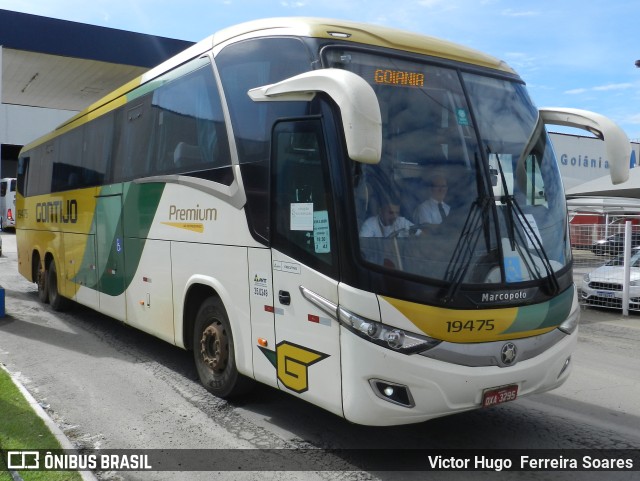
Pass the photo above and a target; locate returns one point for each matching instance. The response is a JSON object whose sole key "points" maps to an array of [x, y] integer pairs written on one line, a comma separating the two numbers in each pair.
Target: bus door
{"points": [[110, 252], [304, 266]]}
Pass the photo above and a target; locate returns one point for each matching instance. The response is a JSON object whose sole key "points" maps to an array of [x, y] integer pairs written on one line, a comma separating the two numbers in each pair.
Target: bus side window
{"points": [[41, 169], [23, 172], [303, 222], [190, 132], [134, 146], [97, 146], [68, 166]]}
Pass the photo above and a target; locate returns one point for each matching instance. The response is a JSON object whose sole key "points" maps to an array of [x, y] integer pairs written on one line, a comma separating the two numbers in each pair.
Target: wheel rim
{"points": [[214, 347]]}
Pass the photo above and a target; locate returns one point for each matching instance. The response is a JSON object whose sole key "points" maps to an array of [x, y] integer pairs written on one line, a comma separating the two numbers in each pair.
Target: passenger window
{"points": [[135, 148], [191, 133], [23, 172], [40, 174], [67, 168], [303, 220], [98, 142]]}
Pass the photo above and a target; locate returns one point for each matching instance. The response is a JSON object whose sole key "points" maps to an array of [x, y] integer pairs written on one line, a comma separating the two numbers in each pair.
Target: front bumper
{"points": [[436, 388]]}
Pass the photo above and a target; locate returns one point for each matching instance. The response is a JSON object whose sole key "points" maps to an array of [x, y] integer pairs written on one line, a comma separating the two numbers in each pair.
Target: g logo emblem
{"points": [[293, 363]]}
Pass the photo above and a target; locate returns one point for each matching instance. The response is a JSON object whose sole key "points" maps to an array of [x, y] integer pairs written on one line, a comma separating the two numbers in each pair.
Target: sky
{"points": [[571, 53]]}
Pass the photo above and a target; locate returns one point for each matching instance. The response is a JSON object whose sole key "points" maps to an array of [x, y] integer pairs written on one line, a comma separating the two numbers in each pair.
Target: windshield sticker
{"points": [[261, 284], [321, 239], [302, 216], [512, 269], [463, 118], [531, 229], [288, 267]]}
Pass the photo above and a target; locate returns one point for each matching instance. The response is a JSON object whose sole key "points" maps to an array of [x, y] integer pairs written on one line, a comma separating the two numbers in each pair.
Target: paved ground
{"points": [[109, 386]]}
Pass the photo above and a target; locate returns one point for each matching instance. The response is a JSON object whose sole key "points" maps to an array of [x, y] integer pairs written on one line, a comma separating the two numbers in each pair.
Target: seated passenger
{"points": [[434, 210], [386, 222]]}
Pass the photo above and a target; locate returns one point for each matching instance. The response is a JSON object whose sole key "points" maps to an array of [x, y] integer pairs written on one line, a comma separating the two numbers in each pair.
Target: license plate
{"points": [[499, 395], [605, 294]]}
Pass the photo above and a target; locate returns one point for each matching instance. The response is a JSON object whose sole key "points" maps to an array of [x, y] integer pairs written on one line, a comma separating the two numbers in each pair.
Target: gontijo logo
{"points": [[57, 211]]}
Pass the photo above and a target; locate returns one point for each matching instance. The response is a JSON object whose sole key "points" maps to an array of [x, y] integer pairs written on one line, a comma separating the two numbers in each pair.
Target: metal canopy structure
{"points": [[66, 65], [603, 187]]}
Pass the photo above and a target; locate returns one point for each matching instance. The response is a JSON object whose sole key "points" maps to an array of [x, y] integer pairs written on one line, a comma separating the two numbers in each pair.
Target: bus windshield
{"points": [[467, 190]]}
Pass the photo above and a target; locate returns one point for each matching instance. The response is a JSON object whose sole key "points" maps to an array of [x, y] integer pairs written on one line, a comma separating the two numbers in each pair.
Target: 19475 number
{"points": [[471, 326]]}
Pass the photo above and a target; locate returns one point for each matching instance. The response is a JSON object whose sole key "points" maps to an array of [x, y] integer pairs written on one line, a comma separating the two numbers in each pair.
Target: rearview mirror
{"points": [[356, 99], [617, 145]]}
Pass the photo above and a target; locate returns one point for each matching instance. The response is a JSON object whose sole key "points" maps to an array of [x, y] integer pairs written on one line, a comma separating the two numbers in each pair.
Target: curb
{"points": [[64, 441]]}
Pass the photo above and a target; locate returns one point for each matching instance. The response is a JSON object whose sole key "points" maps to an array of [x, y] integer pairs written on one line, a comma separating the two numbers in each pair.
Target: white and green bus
{"points": [[218, 203]]}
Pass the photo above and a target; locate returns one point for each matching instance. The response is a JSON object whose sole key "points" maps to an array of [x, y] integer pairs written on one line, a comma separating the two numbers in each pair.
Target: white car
{"points": [[603, 286]]}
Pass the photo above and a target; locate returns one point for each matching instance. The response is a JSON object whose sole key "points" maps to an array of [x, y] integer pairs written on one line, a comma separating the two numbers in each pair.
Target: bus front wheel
{"points": [[214, 352]]}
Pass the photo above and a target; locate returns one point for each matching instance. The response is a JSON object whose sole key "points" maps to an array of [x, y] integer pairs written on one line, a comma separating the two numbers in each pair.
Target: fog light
{"points": [[393, 393]]}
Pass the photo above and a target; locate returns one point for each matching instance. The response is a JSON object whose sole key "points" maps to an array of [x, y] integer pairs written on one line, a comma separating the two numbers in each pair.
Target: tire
{"points": [[57, 301], [43, 284], [214, 352]]}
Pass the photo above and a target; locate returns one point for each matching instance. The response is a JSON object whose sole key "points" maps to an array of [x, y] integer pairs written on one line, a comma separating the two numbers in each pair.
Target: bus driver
{"points": [[386, 222], [434, 210]]}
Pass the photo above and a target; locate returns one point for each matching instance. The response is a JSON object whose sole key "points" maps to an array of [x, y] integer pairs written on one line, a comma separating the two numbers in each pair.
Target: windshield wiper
{"points": [[519, 230], [531, 238], [477, 217], [506, 199]]}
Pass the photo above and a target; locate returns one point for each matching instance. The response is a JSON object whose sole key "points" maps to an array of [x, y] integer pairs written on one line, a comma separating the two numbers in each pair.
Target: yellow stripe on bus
{"points": [[464, 325]]}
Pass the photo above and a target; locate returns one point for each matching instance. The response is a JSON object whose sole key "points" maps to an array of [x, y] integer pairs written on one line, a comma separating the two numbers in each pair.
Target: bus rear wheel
{"points": [[57, 301], [214, 352], [43, 285]]}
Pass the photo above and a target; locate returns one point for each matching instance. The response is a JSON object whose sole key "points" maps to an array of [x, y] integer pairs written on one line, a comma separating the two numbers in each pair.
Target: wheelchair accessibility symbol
{"points": [[512, 269]]}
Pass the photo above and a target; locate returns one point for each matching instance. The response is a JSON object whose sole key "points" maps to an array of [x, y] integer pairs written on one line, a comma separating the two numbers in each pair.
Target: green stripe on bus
{"points": [[120, 218], [542, 316]]}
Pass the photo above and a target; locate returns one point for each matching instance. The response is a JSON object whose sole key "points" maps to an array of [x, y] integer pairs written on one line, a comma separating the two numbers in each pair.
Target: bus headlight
{"points": [[386, 336], [571, 322]]}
